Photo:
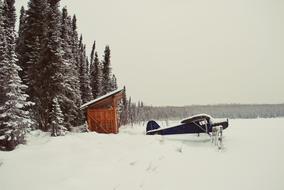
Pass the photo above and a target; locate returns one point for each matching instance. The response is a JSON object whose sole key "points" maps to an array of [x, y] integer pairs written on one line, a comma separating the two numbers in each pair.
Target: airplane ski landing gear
{"points": [[217, 136]]}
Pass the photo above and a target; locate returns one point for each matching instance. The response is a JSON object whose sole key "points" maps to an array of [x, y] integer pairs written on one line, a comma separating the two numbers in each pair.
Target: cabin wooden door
{"points": [[102, 120]]}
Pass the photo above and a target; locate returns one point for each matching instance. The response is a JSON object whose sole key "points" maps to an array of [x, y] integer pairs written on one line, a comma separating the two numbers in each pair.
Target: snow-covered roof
{"points": [[101, 98]]}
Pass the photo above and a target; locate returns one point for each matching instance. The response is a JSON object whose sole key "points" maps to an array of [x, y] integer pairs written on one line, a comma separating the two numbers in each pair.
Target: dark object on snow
{"points": [[196, 124]]}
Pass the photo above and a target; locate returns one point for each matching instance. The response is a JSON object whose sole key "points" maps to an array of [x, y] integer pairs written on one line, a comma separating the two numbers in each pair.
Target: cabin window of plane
{"points": [[204, 122]]}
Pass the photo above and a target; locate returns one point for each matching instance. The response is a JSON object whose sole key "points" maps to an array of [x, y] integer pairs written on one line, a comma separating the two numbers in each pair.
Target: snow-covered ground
{"points": [[252, 158]]}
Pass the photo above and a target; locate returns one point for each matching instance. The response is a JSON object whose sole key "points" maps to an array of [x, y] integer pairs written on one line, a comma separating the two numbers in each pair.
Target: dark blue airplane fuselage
{"points": [[185, 128]]}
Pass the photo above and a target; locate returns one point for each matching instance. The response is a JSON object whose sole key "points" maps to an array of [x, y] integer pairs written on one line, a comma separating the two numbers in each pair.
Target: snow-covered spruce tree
{"points": [[92, 57], [88, 69], [72, 99], [32, 32], [106, 71], [113, 83], [9, 20], [77, 57], [75, 42], [20, 42], [86, 92], [51, 60], [95, 74], [56, 120], [22, 22], [14, 120], [124, 109], [3, 45]]}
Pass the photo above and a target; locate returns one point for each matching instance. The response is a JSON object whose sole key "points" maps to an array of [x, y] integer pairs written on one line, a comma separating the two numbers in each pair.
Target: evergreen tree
{"points": [[76, 52], [95, 74], [14, 120], [3, 57], [72, 99], [106, 71], [124, 109], [75, 43], [22, 21], [93, 53], [20, 42], [51, 59], [32, 32], [86, 92], [88, 68], [113, 83], [49, 53], [9, 20], [56, 120]]}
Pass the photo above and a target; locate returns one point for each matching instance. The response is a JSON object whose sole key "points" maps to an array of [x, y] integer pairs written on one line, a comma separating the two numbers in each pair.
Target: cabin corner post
{"points": [[114, 107], [88, 120]]}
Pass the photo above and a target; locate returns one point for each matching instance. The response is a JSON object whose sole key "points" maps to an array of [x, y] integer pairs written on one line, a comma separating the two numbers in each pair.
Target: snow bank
{"points": [[252, 159]]}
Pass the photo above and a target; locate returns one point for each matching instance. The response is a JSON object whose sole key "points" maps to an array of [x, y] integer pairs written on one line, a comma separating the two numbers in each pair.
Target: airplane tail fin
{"points": [[152, 125]]}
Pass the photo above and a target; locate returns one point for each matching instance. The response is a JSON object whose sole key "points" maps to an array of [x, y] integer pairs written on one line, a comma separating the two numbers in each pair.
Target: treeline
{"points": [[141, 113], [45, 74]]}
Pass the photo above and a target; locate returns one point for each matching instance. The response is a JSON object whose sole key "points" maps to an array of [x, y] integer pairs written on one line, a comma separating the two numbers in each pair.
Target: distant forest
{"points": [[141, 113]]}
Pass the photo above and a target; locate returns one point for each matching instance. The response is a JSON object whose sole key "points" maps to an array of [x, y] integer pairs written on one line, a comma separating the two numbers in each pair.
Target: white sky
{"points": [[182, 52]]}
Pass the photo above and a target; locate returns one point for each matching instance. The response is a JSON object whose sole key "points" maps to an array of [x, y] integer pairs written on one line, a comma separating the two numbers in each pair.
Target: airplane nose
{"points": [[225, 124]]}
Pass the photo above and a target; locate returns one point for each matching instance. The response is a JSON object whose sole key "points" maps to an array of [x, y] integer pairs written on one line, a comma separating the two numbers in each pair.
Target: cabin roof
{"points": [[92, 102]]}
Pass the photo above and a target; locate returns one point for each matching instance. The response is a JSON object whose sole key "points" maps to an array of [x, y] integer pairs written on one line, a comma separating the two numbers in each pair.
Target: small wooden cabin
{"points": [[102, 115]]}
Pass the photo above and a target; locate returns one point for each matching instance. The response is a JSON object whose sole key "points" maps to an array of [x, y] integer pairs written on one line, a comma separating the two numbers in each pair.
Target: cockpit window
{"points": [[203, 122]]}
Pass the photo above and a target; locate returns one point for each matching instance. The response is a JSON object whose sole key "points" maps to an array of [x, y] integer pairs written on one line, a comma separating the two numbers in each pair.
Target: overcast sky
{"points": [[182, 52]]}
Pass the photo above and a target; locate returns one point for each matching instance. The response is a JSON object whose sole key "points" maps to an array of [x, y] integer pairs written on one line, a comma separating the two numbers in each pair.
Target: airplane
{"points": [[201, 123]]}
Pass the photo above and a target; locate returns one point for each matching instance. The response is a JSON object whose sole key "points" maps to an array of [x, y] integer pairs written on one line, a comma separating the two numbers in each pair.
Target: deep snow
{"points": [[252, 158]]}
